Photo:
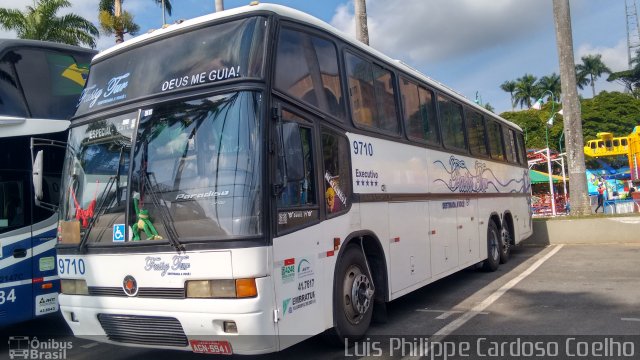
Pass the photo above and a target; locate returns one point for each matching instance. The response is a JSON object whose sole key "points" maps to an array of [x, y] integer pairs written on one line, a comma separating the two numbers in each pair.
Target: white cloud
{"points": [[435, 30], [614, 57]]}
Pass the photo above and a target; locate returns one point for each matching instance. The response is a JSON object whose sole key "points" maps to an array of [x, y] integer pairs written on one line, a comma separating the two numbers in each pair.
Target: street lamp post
{"points": [[538, 106]]}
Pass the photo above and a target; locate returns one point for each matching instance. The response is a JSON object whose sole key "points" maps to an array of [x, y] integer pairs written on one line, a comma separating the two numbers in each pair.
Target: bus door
{"points": [[299, 234], [44, 225], [15, 248]]}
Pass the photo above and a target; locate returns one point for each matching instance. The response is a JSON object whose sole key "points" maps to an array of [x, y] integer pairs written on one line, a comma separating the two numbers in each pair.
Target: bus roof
{"points": [[293, 14], [7, 43]]}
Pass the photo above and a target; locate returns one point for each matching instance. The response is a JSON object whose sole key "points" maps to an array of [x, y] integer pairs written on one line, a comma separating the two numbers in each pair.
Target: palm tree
{"points": [[581, 78], [509, 86], [571, 110], [592, 66], [113, 20], [166, 7], [550, 83], [41, 23], [525, 90], [219, 5], [362, 30]]}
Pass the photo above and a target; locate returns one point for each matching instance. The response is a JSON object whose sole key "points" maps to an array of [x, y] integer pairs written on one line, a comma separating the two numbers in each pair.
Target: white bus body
{"points": [[418, 213]]}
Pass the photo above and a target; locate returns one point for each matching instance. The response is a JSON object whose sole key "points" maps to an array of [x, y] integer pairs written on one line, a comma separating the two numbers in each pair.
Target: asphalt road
{"points": [[552, 295]]}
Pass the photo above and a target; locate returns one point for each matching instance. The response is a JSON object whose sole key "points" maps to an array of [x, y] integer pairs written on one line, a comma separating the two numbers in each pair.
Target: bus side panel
{"points": [[409, 250], [485, 207], [45, 280], [16, 295]]}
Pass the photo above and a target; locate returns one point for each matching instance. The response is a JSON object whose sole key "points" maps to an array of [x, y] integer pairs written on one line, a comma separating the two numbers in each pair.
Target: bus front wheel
{"points": [[493, 248], [353, 296]]}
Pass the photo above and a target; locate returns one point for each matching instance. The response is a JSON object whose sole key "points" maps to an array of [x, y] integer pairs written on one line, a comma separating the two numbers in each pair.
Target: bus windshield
{"points": [[194, 170], [212, 54]]}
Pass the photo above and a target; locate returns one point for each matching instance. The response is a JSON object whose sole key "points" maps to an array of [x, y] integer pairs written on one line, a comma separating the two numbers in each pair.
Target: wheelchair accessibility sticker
{"points": [[118, 232]]}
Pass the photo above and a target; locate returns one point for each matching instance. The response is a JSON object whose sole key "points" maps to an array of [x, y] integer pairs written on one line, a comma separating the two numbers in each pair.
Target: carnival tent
{"points": [[539, 177]]}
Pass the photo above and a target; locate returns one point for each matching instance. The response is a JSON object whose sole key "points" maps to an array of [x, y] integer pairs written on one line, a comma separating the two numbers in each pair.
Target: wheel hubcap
{"points": [[495, 248], [358, 294]]}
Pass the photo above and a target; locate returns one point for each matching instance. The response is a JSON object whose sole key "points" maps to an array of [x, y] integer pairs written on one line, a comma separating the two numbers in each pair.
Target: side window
{"points": [[371, 94], [11, 101], [337, 172], [297, 203], [476, 133], [419, 111], [451, 123], [307, 69], [12, 204], [495, 141], [522, 150], [53, 92], [510, 145], [302, 193]]}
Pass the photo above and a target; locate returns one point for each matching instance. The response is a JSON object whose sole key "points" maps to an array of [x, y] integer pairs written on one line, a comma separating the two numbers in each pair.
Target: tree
{"points": [[41, 23], [593, 68], [166, 8], [489, 107], [219, 5], [509, 86], [550, 83], [629, 78], [574, 141], [581, 79], [113, 20], [362, 30], [525, 90]]}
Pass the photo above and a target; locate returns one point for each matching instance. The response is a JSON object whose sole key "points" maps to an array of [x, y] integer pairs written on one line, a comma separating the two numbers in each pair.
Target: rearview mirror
{"points": [[37, 176]]}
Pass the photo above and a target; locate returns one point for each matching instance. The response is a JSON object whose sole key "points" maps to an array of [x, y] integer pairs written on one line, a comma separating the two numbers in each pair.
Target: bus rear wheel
{"points": [[493, 248], [353, 296], [505, 244]]}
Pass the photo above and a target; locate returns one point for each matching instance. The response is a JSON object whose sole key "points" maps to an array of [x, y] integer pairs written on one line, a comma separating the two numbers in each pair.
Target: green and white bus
{"points": [[242, 181]]}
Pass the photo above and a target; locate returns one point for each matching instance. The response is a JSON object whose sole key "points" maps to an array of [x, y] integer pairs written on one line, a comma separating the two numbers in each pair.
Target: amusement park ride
{"points": [[608, 145], [553, 202]]}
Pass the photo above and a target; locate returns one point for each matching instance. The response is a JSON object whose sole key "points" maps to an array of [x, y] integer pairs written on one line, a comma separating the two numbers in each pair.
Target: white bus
{"points": [[241, 181], [40, 83]]}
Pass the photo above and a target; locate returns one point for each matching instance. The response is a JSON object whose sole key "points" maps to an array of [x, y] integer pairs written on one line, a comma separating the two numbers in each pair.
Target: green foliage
{"points": [[41, 22], [613, 112], [533, 123], [526, 90]]}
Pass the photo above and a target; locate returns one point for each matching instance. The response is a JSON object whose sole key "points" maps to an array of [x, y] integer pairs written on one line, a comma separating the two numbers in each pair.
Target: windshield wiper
{"points": [[165, 215], [99, 210]]}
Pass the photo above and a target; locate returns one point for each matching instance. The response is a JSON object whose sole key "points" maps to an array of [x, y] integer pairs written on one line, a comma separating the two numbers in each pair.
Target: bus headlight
{"points": [[74, 287], [239, 288]]}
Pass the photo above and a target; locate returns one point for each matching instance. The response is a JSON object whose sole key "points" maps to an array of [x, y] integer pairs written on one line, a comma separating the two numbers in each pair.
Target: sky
{"points": [[472, 46]]}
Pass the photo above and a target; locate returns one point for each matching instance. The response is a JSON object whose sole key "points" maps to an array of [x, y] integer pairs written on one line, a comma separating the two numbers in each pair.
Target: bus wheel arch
{"points": [[360, 284]]}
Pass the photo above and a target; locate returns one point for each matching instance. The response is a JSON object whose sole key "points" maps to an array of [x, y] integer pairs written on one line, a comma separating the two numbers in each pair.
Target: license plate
{"points": [[211, 347]]}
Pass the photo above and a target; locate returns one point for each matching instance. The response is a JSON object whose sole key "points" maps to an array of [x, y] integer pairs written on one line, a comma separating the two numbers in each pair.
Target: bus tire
{"points": [[493, 248], [353, 296], [505, 244]]}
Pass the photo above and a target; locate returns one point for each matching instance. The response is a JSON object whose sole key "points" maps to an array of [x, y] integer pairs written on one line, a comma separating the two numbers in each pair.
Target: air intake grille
{"points": [[143, 330], [160, 293]]}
